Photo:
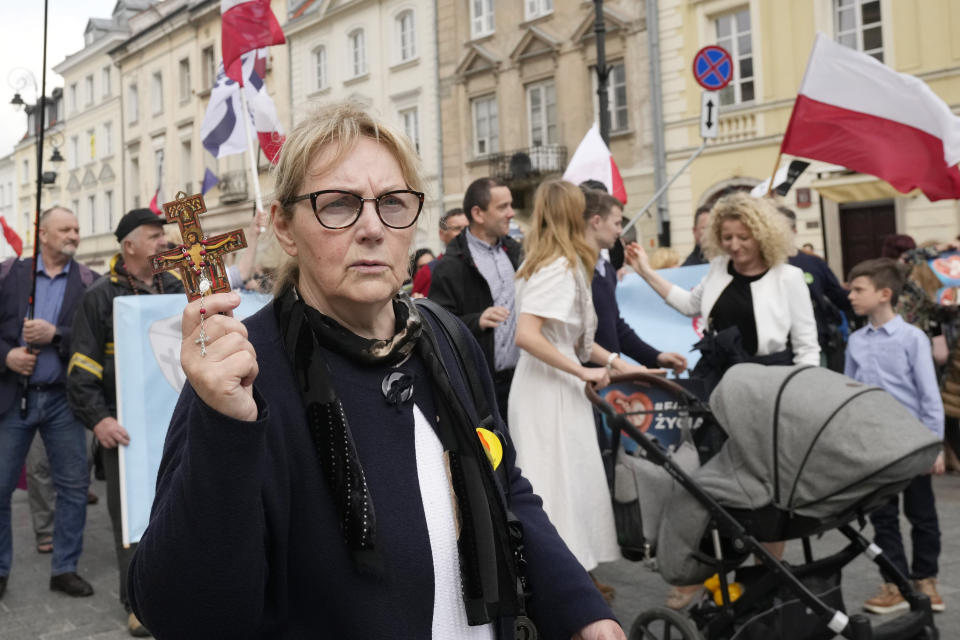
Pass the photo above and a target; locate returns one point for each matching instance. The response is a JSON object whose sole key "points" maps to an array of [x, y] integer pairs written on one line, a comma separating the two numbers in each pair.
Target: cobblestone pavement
{"points": [[30, 611]]}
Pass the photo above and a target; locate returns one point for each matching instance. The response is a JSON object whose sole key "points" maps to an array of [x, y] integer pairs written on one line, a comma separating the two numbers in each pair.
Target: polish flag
{"points": [[13, 239], [593, 161], [246, 25], [154, 205], [853, 111]]}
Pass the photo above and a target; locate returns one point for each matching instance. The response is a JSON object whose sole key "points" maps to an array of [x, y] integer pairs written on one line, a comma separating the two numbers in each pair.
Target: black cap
{"points": [[134, 219]]}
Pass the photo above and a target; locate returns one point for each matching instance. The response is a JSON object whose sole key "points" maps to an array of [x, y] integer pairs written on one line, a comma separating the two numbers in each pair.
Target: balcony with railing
{"points": [[233, 186], [532, 163]]}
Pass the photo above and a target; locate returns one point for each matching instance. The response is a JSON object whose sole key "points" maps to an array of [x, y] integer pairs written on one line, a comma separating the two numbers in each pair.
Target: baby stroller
{"points": [[781, 453]]}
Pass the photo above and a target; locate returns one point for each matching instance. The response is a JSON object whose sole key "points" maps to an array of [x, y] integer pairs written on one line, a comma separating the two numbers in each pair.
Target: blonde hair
{"points": [[664, 258], [760, 216], [339, 125], [557, 229]]}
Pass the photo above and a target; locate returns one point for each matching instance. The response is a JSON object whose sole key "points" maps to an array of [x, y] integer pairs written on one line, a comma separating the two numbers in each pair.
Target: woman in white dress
{"points": [[551, 420]]}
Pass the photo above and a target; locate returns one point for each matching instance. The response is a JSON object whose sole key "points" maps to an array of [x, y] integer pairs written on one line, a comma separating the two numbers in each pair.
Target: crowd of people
{"points": [[426, 465]]}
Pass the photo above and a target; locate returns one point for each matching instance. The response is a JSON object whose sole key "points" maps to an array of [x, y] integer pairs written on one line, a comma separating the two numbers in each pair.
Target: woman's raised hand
{"points": [[637, 258], [223, 378]]}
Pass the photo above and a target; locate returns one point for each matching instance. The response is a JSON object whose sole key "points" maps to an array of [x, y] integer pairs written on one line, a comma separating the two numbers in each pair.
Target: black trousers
{"points": [[111, 467], [919, 506], [501, 385]]}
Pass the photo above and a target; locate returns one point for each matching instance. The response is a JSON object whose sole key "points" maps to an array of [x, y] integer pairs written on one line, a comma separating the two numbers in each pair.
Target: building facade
{"points": [[166, 70], [8, 201], [92, 179], [518, 92], [25, 165], [382, 54], [843, 214]]}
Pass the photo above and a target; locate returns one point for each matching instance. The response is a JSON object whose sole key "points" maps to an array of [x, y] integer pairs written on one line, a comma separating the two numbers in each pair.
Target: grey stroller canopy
{"points": [[806, 445]]}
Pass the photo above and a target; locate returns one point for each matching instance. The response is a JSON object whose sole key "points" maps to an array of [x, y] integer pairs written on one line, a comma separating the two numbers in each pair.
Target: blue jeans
{"points": [[64, 438]]}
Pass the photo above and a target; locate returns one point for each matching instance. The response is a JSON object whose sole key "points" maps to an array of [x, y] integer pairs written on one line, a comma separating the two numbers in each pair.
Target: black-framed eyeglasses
{"points": [[336, 209]]}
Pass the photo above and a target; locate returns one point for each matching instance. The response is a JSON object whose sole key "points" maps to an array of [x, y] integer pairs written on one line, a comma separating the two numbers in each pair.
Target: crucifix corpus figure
{"points": [[199, 258]]}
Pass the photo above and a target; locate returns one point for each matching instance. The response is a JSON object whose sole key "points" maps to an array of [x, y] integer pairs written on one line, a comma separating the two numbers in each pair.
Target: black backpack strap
{"points": [[468, 365]]}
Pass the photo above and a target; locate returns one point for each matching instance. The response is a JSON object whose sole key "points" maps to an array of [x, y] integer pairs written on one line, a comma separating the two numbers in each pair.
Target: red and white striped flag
{"points": [[593, 161], [853, 111], [246, 25]]}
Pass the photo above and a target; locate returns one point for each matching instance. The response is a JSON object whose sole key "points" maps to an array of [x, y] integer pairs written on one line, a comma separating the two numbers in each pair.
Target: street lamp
{"points": [[56, 141]]}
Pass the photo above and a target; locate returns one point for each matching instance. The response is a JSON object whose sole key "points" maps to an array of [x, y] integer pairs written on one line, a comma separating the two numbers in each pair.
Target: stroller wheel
{"points": [[663, 624]]}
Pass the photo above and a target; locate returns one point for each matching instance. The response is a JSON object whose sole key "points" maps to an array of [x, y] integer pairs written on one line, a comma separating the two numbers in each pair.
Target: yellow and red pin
{"points": [[491, 445]]}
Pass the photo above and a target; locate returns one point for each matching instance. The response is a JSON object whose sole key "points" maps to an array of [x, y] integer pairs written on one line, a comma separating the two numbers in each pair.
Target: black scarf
{"points": [[485, 550]]}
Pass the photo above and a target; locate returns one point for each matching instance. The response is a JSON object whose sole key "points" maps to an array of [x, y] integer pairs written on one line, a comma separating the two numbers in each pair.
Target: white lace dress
{"points": [[551, 420]]}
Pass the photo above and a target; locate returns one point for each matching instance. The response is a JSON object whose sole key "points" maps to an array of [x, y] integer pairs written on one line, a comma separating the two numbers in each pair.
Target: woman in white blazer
{"points": [[756, 306], [749, 285]]}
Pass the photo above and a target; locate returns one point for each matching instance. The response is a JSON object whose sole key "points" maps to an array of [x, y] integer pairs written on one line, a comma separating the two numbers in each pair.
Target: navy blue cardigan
{"points": [[243, 539], [613, 333]]}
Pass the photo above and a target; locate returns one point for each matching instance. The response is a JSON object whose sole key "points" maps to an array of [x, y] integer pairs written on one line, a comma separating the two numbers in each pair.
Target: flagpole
{"points": [[663, 188], [254, 174], [773, 176]]}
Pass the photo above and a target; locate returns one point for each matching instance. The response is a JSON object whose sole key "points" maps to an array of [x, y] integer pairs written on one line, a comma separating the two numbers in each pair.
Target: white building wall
{"points": [[8, 200]]}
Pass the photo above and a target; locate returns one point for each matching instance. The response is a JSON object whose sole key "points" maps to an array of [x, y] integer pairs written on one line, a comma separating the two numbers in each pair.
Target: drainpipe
{"points": [[656, 104], [438, 119]]}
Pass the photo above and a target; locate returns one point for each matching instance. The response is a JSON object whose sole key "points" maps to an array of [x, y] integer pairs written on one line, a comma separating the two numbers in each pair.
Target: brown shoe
{"points": [[928, 587], [92, 498], [136, 629], [605, 590], [887, 601]]}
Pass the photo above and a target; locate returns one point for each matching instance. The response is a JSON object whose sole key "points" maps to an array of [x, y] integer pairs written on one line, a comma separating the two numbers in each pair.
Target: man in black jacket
{"points": [[33, 355], [475, 279], [91, 385], [700, 219]]}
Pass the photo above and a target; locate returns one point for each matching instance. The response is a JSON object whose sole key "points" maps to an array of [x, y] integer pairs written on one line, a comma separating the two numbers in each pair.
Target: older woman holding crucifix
{"points": [[365, 488]]}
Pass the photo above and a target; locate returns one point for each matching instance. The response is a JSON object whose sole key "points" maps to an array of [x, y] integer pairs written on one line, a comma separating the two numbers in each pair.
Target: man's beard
{"points": [[68, 250]]}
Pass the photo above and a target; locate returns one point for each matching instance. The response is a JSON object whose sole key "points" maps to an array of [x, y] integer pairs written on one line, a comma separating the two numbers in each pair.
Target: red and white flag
{"points": [[13, 239], [246, 25], [593, 161], [853, 111]]}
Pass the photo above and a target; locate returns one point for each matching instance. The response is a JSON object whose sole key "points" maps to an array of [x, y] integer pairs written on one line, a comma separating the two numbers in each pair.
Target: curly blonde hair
{"points": [[760, 216]]}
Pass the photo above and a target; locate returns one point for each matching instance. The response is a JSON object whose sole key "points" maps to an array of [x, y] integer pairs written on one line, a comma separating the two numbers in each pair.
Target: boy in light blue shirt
{"points": [[895, 356]]}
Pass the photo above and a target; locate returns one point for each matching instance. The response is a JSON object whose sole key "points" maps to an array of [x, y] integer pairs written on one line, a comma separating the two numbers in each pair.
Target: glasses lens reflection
{"points": [[340, 209]]}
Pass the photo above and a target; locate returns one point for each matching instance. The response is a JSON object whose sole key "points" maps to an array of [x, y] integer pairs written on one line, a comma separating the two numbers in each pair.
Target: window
{"points": [[108, 209], [542, 112], [134, 189], [481, 18], [107, 138], [486, 128], [91, 137], [358, 53], [733, 34], [209, 67], [616, 97], [184, 80], [156, 93], [105, 81], [72, 96], [158, 165], [88, 90], [858, 26], [186, 165], [537, 8], [26, 170], [92, 212], [406, 36], [410, 119], [75, 206], [320, 67], [133, 104], [74, 152]]}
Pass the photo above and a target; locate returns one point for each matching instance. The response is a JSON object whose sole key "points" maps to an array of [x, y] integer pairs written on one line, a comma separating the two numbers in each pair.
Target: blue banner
{"points": [[657, 323], [149, 379]]}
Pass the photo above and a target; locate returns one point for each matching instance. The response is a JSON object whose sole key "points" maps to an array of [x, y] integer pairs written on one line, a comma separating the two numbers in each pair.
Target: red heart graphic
{"points": [[949, 267], [636, 401]]}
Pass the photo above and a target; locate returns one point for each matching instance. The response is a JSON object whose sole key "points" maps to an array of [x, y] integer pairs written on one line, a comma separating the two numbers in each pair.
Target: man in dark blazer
{"points": [[33, 357]]}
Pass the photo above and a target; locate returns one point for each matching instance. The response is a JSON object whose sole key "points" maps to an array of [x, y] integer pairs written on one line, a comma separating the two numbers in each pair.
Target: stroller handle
{"points": [[646, 378]]}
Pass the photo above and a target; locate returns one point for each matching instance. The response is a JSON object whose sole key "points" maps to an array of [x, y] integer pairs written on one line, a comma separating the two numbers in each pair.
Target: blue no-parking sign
{"points": [[713, 68]]}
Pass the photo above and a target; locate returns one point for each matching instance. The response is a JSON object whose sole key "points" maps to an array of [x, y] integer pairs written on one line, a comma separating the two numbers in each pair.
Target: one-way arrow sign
{"points": [[709, 109]]}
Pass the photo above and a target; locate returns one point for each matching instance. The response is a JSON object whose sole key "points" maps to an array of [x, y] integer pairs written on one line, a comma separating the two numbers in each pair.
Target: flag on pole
{"points": [[246, 25], [210, 180], [222, 129], [13, 239], [593, 161], [154, 205], [853, 111]]}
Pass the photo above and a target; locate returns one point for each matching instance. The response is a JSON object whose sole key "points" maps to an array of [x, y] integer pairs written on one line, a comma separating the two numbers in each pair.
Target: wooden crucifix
{"points": [[199, 258]]}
